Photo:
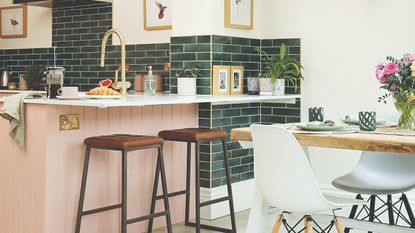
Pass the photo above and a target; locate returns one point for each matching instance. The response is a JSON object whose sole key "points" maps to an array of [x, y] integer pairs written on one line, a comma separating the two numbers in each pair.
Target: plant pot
{"points": [[253, 86], [186, 86], [279, 87], [265, 86]]}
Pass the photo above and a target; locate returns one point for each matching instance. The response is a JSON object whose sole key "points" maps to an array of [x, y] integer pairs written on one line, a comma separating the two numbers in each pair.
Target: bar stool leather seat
{"points": [[122, 141], [192, 134]]}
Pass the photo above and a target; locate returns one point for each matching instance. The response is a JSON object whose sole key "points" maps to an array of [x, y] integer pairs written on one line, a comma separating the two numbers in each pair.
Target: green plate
{"points": [[354, 121], [311, 127]]}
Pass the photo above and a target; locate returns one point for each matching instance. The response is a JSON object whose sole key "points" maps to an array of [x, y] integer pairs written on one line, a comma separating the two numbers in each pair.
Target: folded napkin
{"points": [[13, 110]]}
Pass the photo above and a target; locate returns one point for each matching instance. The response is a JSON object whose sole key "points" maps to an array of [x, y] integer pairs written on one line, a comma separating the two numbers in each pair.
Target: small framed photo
{"points": [[157, 14], [221, 80], [13, 21], [237, 80], [239, 14]]}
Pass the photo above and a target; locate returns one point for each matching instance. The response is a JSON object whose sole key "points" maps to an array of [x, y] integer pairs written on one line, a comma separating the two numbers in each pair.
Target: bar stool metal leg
{"points": [[154, 196], [229, 184], [197, 186], [83, 189], [188, 174], [124, 193], [165, 191]]}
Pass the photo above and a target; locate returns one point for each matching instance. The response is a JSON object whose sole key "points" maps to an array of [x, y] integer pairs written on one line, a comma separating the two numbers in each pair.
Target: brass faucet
{"points": [[123, 85]]}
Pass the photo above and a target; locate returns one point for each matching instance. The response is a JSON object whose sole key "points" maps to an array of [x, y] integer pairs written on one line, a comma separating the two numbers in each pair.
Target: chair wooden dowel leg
{"points": [[277, 225], [308, 224], [339, 226]]}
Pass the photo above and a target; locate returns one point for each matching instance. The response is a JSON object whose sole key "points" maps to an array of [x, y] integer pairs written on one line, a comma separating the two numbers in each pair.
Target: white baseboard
{"points": [[243, 194]]}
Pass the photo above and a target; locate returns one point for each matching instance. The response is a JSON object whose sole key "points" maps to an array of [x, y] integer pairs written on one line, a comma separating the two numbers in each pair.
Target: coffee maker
{"points": [[54, 78]]}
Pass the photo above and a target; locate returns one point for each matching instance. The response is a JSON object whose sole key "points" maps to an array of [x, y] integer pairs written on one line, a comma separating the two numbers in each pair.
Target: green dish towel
{"points": [[13, 110]]}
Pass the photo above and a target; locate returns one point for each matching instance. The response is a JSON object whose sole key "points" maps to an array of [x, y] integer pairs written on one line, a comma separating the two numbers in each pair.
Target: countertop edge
{"points": [[164, 99]]}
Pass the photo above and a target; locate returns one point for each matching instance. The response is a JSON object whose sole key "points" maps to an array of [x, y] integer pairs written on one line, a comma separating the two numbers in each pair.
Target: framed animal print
{"points": [[237, 80], [13, 22], [239, 14], [157, 14], [221, 84]]}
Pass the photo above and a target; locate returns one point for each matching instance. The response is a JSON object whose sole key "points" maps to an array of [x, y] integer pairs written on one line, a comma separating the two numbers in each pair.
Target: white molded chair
{"points": [[284, 177], [381, 174]]}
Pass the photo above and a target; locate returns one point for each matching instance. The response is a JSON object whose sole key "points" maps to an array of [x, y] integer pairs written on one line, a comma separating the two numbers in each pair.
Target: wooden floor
{"points": [[241, 221]]}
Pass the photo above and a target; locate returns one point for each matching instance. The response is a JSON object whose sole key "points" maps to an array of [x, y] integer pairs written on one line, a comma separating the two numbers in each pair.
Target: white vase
{"points": [[265, 86], [279, 87], [186, 86]]}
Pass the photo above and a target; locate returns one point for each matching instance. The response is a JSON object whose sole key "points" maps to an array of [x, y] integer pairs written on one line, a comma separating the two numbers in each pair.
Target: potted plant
{"points": [[281, 67], [33, 76], [397, 76], [186, 81]]}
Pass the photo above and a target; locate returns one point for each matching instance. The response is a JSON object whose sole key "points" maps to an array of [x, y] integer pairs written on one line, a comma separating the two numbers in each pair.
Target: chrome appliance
{"points": [[5, 77]]}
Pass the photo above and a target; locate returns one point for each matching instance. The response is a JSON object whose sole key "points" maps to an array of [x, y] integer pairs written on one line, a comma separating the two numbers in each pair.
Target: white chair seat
{"points": [[342, 201], [380, 173], [373, 186]]}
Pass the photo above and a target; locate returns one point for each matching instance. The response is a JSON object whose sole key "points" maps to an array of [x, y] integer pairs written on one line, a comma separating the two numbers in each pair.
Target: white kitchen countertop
{"points": [[162, 99]]}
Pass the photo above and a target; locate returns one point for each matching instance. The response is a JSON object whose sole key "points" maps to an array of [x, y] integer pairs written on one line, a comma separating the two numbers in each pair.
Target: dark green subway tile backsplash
{"points": [[77, 32]]}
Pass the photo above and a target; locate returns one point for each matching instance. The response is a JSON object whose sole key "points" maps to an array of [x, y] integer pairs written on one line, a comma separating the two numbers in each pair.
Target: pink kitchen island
{"points": [[39, 186]]}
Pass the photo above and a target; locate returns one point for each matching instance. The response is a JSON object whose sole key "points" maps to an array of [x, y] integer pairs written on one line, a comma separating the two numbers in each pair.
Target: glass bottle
{"points": [[150, 83]]}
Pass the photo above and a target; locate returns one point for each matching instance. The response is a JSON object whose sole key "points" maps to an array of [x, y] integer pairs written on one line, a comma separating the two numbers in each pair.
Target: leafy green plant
{"points": [[188, 73], [281, 66], [34, 75]]}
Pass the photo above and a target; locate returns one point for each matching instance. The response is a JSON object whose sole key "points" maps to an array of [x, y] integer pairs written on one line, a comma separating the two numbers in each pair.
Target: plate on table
{"points": [[355, 121], [103, 96], [319, 126]]}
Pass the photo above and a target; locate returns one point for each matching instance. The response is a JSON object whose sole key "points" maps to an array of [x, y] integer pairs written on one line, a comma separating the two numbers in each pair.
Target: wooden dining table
{"points": [[385, 139]]}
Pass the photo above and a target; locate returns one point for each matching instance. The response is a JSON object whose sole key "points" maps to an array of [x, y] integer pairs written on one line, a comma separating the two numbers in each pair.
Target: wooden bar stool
{"points": [[198, 135], [125, 143]]}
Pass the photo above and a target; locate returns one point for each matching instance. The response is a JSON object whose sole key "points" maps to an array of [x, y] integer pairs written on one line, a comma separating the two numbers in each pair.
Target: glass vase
{"points": [[407, 117]]}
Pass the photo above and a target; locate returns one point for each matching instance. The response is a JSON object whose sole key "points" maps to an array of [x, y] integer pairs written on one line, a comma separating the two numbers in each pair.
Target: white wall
{"points": [[341, 43], [128, 18], [39, 29], [201, 17]]}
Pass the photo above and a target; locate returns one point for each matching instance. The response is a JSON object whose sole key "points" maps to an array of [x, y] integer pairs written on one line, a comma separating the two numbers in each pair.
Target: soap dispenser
{"points": [[150, 83]]}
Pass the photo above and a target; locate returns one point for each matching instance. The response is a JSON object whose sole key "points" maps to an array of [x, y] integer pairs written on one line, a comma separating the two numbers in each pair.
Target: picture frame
{"points": [[221, 80], [13, 22], [239, 14], [237, 80], [157, 14]]}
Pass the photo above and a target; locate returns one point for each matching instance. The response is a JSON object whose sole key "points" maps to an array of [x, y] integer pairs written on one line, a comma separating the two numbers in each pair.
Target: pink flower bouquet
{"points": [[395, 76]]}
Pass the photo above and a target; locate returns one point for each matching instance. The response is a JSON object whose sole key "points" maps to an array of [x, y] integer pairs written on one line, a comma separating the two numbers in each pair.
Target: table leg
{"points": [[258, 214]]}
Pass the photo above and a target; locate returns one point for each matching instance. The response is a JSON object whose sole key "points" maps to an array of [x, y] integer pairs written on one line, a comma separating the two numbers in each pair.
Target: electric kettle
{"points": [[5, 77]]}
